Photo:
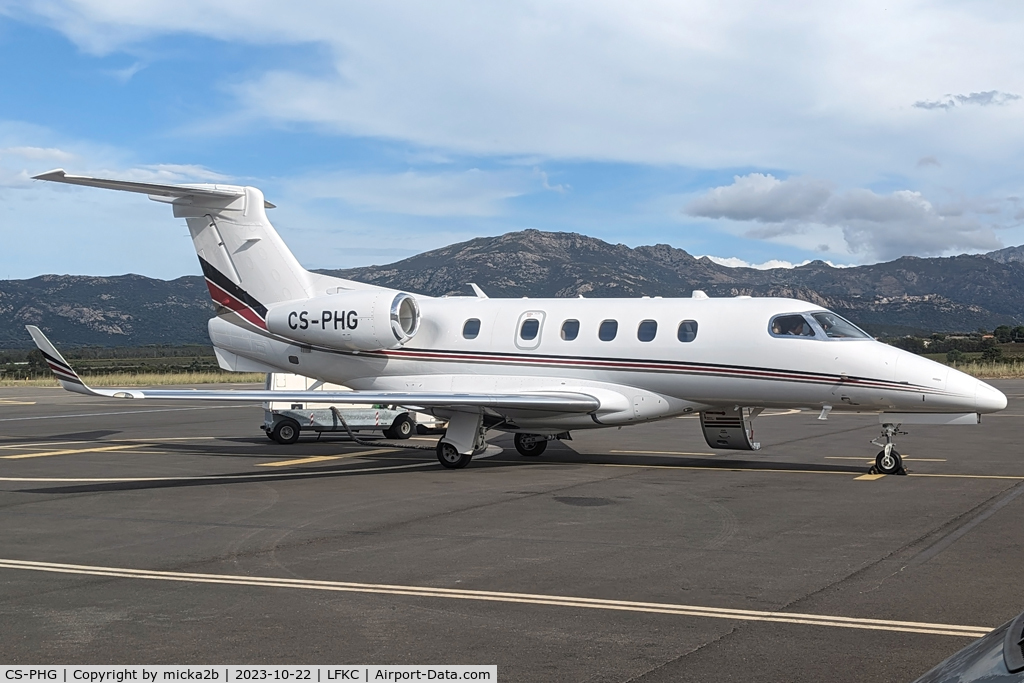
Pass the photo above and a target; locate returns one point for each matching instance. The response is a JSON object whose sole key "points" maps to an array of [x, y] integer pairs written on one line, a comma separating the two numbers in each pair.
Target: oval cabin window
{"points": [[471, 329], [647, 331], [608, 330], [529, 329], [687, 331], [570, 329]]}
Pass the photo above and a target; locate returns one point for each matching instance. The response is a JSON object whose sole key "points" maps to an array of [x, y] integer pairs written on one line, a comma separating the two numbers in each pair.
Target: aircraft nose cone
{"points": [[989, 399]]}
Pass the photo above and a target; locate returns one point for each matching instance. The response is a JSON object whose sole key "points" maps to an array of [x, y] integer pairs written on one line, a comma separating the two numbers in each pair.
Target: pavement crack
{"points": [[688, 653]]}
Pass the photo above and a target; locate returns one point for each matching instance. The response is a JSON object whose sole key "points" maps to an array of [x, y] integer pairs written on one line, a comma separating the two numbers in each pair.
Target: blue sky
{"points": [[850, 133]]}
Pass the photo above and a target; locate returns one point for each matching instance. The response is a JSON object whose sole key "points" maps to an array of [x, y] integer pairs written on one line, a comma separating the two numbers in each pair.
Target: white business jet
{"points": [[536, 368]]}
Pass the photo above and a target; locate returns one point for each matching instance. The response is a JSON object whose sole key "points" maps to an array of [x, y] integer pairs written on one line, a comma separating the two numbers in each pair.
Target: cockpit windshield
{"points": [[794, 325], [838, 328]]}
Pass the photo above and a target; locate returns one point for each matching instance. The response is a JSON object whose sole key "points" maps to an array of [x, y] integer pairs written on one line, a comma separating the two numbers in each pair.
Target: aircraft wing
{"points": [[567, 402]]}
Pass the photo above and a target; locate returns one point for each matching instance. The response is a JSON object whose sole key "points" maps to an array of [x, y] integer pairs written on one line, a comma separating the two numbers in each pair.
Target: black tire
{"points": [[450, 457], [891, 464], [530, 445], [401, 428], [286, 432], [269, 434]]}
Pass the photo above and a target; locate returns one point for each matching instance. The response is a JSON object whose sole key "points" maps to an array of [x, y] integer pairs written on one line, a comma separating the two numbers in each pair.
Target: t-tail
{"points": [[247, 265]]}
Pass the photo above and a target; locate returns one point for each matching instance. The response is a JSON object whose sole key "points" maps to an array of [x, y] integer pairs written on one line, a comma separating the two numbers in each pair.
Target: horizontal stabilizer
{"points": [[152, 189], [569, 402]]}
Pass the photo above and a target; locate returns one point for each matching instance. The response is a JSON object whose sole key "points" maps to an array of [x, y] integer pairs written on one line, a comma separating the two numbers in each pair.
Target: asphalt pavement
{"points": [[159, 532]]}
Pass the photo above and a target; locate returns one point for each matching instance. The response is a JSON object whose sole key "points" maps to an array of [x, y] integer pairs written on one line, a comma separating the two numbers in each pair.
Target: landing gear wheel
{"points": [[888, 463], [285, 432], [401, 428], [450, 457], [530, 445]]}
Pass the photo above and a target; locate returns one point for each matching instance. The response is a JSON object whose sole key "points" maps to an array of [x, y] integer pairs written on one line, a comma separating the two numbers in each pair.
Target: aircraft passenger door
{"points": [[529, 329]]}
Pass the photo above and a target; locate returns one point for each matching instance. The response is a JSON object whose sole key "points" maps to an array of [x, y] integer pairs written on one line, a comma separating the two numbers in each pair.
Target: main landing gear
{"points": [[530, 445], [888, 460]]}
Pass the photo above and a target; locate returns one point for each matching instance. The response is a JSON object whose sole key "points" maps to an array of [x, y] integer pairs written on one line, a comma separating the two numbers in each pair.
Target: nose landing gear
{"points": [[888, 460]]}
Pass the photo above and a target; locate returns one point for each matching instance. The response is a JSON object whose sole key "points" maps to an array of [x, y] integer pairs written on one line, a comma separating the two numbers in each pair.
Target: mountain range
{"points": [[908, 295]]}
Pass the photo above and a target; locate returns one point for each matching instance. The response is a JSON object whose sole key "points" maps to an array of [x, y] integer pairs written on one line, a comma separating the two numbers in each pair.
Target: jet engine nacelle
{"points": [[360, 320]]}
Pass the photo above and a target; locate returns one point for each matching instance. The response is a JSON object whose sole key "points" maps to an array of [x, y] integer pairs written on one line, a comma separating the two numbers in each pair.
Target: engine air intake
{"points": [[354, 320]]}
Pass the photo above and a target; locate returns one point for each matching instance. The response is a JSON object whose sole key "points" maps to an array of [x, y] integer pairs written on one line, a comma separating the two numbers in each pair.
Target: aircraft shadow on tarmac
{"points": [[389, 462]]}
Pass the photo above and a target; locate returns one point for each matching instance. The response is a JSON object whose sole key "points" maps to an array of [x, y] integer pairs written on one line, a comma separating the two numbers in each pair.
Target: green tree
{"points": [[36, 362], [990, 353], [1003, 334], [954, 356], [912, 344]]}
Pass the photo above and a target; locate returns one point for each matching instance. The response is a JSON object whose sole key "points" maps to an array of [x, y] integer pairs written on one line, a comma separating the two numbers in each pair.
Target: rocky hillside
{"points": [[128, 310], [910, 294], [936, 294], [1007, 255]]}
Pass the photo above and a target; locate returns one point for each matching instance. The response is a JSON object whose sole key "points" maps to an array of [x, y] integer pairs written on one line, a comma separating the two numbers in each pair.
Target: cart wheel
{"points": [[270, 434], [286, 432], [401, 428]]}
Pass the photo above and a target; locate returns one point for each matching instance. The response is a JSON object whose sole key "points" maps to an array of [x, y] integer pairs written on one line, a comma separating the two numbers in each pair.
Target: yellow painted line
{"points": [[300, 461], [868, 477], [725, 468], [138, 442], [662, 453], [520, 598], [44, 454], [712, 469], [321, 458], [967, 476], [218, 477], [12, 402], [754, 469]]}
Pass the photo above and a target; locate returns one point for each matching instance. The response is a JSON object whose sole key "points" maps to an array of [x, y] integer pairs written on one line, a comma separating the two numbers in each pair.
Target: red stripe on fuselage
{"points": [[228, 301]]}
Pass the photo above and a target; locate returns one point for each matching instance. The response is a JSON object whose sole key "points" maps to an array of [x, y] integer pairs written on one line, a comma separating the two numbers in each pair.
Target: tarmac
{"points": [[149, 532]]}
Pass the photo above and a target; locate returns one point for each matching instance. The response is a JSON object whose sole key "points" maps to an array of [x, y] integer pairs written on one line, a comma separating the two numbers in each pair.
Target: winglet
{"points": [[67, 377]]}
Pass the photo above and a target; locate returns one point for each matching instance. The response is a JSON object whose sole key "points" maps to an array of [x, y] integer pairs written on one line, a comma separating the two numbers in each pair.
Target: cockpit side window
{"points": [[839, 328], [792, 325]]}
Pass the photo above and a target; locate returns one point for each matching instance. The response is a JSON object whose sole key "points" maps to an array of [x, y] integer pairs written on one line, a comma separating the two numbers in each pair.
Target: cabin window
{"points": [[839, 328], [647, 331], [608, 330], [793, 325], [687, 331], [570, 329], [529, 329], [471, 329]]}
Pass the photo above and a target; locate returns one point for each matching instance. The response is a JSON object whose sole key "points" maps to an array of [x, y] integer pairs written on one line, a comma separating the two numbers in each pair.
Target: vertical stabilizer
{"points": [[247, 265]]}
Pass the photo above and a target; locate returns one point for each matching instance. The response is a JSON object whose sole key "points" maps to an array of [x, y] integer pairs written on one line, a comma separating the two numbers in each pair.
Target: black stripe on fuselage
{"points": [[218, 278]]}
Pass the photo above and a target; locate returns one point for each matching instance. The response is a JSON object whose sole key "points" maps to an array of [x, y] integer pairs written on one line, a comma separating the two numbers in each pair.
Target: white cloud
{"points": [[467, 193], [762, 198], [734, 262], [706, 84], [38, 154], [702, 83], [981, 99], [124, 75], [881, 225]]}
